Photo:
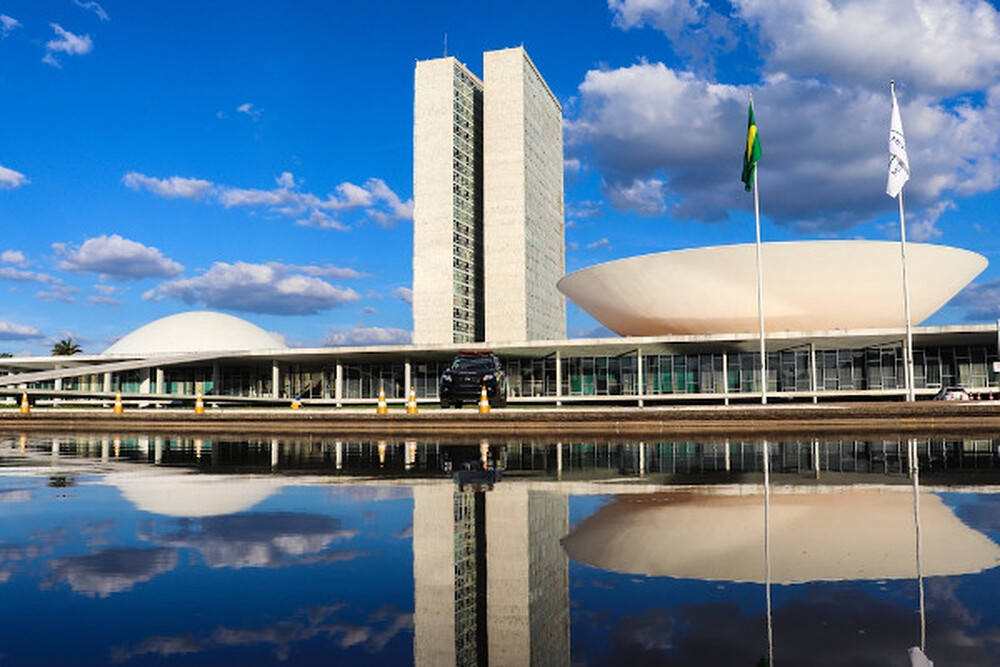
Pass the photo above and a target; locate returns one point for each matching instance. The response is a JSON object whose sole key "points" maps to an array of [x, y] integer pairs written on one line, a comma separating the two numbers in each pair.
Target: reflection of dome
{"points": [[863, 534], [197, 331], [192, 495], [808, 286]]}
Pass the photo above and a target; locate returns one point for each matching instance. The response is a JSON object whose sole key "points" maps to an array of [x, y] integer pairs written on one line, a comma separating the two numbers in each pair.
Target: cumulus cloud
{"points": [[404, 294], [113, 571], [369, 336], [669, 140], [12, 331], [10, 179], [93, 7], [376, 199], [116, 258], [255, 288], [600, 243], [693, 28], [67, 43], [13, 257], [61, 293], [981, 301], [7, 24], [175, 187]]}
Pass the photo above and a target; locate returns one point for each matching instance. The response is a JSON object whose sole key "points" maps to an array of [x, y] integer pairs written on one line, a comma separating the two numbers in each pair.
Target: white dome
{"points": [[197, 331], [808, 286]]}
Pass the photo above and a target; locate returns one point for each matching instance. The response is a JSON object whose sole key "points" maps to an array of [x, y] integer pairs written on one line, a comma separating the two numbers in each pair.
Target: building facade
{"points": [[488, 244]]}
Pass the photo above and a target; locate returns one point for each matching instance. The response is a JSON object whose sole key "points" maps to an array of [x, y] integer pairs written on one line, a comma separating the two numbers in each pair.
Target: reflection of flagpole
{"points": [[767, 551], [917, 656]]}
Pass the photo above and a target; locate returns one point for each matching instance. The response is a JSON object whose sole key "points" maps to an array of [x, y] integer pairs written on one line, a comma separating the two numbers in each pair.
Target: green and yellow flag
{"points": [[752, 153]]}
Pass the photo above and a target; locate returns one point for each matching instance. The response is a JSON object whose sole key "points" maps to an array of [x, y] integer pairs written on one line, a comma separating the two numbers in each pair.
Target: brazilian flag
{"points": [[752, 153]]}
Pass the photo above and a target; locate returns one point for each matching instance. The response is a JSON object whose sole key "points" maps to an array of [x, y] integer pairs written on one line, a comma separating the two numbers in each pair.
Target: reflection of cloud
{"points": [[383, 625], [112, 571], [15, 496], [260, 540]]}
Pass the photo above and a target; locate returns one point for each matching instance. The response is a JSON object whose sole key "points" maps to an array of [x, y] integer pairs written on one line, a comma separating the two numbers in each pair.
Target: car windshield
{"points": [[472, 364]]}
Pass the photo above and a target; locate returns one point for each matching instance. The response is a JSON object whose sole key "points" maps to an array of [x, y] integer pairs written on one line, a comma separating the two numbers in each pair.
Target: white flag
{"points": [[899, 166]]}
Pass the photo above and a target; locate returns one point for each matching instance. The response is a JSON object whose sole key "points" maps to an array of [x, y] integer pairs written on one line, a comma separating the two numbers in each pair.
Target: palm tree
{"points": [[65, 347]]}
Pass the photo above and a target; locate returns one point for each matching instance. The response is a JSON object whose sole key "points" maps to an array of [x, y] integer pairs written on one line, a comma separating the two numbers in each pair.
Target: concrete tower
{"points": [[488, 203]]}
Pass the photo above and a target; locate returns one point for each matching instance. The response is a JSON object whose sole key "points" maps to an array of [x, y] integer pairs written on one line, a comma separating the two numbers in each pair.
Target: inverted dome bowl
{"points": [[808, 286]]}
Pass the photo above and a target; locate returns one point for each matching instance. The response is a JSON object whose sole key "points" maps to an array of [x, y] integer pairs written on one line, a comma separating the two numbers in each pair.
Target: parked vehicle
{"points": [[952, 394], [469, 372]]}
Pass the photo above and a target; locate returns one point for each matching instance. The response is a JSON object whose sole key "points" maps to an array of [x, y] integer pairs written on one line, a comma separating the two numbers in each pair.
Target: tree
{"points": [[65, 347]]}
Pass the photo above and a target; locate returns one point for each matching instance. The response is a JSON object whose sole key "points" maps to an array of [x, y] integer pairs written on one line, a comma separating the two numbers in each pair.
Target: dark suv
{"points": [[469, 372]]}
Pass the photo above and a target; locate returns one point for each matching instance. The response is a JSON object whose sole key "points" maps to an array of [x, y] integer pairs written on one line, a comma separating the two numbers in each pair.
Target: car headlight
{"points": [[445, 378], [488, 377]]}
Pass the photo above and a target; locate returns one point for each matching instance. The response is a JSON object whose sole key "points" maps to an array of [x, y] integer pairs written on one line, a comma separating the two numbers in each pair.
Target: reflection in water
{"points": [[384, 551]]}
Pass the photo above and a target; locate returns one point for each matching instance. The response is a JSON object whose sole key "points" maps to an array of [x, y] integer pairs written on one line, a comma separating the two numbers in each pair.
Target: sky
{"points": [[254, 157]]}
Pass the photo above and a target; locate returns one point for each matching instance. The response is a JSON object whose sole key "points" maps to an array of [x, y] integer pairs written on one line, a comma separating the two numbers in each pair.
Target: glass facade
{"points": [[467, 216]]}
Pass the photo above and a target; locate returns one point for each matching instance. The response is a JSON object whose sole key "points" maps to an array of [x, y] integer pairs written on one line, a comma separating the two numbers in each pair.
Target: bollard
{"points": [[411, 403], [199, 405], [25, 406], [119, 408], [383, 408], [484, 402], [296, 403]]}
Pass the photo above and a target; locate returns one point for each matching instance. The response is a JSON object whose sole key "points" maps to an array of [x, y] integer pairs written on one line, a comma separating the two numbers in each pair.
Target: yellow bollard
{"points": [[411, 404], [25, 406], [119, 407], [199, 405], [296, 403], [484, 402], [383, 408]]}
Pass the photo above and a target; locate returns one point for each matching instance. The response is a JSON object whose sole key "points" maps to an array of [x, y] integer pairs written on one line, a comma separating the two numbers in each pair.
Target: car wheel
{"points": [[499, 402], [444, 405], [458, 405]]}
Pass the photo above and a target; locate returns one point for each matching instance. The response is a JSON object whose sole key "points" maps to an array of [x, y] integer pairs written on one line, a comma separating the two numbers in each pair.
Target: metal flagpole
{"points": [[760, 295], [899, 173], [908, 353]]}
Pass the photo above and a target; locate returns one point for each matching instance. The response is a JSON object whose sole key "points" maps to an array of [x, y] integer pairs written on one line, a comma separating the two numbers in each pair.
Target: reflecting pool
{"points": [[144, 549]]}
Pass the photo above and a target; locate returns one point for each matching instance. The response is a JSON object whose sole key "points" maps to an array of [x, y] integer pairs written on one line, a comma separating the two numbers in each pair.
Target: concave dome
{"points": [[808, 286], [197, 331]]}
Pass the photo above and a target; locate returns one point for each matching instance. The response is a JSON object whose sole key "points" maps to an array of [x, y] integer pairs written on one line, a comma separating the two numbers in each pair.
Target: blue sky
{"points": [[255, 157]]}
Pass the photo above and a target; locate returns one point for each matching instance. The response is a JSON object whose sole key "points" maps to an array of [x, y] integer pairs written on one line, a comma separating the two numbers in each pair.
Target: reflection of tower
{"points": [[528, 586], [491, 581]]}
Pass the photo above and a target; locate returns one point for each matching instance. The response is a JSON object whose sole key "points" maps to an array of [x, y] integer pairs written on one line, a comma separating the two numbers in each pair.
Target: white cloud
{"points": [[13, 257], [600, 243], [117, 258], [61, 293], [369, 336], [982, 301], [93, 7], [938, 47], [104, 300], [922, 227], [174, 187], [25, 276], [68, 43], [249, 109], [7, 24], [12, 331], [255, 288], [327, 271], [404, 294], [375, 198], [646, 197], [692, 26], [10, 179]]}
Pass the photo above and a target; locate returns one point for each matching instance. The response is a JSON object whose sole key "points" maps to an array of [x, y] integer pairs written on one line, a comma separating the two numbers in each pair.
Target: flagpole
{"points": [[908, 351], [760, 293]]}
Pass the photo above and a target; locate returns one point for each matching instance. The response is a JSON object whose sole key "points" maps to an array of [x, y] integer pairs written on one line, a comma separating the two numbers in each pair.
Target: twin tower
{"points": [[488, 222]]}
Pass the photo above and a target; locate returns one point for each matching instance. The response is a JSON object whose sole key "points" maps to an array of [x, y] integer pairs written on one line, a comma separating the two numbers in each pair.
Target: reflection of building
{"points": [[488, 202], [491, 583]]}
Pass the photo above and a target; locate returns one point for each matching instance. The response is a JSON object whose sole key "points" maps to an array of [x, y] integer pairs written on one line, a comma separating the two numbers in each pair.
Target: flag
{"points": [[752, 152], [899, 166]]}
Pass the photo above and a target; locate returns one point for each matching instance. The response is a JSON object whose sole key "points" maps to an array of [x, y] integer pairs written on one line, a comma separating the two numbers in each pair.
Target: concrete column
{"points": [[159, 381], [107, 383], [275, 380], [725, 381], [641, 389], [407, 377], [338, 386], [813, 371], [144, 384], [215, 377], [558, 378]]}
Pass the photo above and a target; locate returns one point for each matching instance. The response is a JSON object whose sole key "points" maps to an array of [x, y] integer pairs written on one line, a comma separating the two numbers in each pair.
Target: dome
{"points": [[808, 286], [197, 331]]}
